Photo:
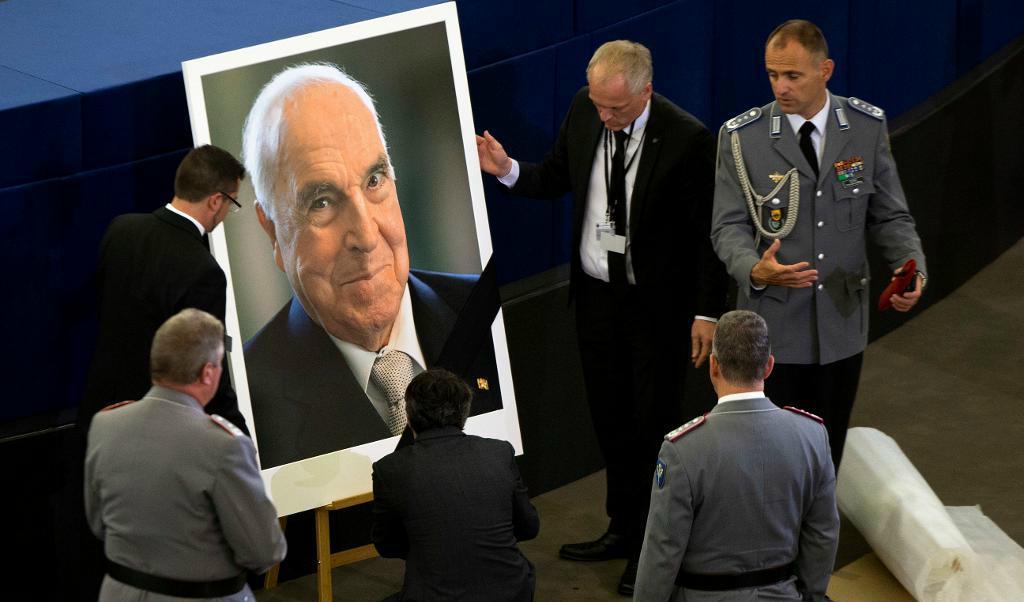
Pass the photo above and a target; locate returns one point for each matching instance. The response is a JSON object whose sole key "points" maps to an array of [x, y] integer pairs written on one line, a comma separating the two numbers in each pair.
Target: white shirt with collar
{"points": [[173, 209], [725, 399], [820, 121], [403, 338]]}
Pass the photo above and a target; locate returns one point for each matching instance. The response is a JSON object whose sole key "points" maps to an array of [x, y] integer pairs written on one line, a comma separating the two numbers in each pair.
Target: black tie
{"points": [[206, 241], [617, 204], [807, 147]]}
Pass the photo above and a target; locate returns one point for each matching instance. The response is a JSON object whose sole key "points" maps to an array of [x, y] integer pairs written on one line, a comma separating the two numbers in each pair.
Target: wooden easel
{"points": [[325, 559]]}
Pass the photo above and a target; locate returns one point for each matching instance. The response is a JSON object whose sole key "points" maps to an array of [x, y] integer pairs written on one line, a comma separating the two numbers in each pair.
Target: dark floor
{"points": [[947, 386]]}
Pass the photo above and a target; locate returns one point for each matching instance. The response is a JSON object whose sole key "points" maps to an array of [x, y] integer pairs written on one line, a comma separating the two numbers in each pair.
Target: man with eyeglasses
{"points": [[151, 266]]}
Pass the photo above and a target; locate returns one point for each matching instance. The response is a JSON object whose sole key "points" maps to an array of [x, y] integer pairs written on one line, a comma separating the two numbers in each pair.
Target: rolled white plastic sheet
{"points": [[908, 528], [1000, 570]]}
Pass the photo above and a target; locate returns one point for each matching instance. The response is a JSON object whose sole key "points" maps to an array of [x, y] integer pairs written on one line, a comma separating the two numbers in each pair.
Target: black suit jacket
{"points": [[454, 506], [151, 266], [305, 400], [670, 209]]}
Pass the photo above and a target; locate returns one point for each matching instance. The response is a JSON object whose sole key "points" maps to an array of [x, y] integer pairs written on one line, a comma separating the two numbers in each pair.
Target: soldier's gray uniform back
{"points": [[751, 488], [172, 493], [829, 321]]}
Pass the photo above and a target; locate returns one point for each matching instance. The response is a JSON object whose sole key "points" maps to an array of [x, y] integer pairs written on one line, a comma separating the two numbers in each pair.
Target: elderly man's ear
{"points": [[268, 226]]}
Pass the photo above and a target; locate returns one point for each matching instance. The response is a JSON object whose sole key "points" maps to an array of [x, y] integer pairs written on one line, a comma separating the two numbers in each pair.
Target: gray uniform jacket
{"points": [[829, 321], [750, 488], [173, 493]]}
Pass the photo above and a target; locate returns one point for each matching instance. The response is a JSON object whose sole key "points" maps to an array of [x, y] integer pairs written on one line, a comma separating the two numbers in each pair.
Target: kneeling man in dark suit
{"points": [[452, 505]]}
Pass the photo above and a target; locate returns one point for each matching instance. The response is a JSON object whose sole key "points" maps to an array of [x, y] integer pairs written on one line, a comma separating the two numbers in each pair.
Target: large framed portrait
{"points": [[360, 255]]}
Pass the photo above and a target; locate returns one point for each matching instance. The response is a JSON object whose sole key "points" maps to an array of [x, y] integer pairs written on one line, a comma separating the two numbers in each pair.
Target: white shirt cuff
{"points": [[706, 319], [510, 179]]}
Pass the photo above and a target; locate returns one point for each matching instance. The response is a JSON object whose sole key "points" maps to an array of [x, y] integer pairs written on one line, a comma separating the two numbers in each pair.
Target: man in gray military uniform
{"points": [[176, 494], [799, 184], [743, 503]]}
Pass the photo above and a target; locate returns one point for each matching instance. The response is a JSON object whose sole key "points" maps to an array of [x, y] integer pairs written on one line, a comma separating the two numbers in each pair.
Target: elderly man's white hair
{"points": [[261, 136]]}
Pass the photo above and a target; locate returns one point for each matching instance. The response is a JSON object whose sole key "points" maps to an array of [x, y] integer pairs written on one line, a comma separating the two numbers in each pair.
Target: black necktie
{"points": [[206, 241], [807, 147], [617, 204]]}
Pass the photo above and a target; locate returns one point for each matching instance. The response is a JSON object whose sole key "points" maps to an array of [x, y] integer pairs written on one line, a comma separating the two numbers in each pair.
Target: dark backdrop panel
{"points": [[591, 15], [904, 57], [40, 125], [740, 31]]}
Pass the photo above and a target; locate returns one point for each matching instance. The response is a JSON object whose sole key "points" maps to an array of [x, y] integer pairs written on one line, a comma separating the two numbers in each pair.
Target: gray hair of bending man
{"points": [[631, 59], [185, 343], [265, 127], [741, 347], [437, 398]]}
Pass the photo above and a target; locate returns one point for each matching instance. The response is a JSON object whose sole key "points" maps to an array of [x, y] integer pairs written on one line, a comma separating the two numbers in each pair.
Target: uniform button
{"points": [[863, 281], [821, 256], [821, 224], [776, 201], [856, 190], [821, 287], [817, 193]]}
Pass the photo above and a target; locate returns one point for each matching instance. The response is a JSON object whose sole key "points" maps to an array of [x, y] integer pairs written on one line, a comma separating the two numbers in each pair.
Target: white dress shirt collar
{"points": [[820, 121], [174, 209], [739, 396], [403, 338]]}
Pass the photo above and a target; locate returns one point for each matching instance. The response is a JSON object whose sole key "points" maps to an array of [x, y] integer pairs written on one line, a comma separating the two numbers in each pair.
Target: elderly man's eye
{"points": [[320, 204], [375, 181]]}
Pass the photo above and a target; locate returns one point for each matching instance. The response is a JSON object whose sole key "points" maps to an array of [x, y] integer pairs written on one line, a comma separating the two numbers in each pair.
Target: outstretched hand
{"points": [[701, 334], [493, 158], [768, 271]]}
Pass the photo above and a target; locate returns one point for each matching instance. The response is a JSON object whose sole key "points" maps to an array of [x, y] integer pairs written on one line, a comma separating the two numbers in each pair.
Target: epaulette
{"points": [[743, 119], [225, 424], [686, 428], [119, 404], [804, 413], [866, 107]]}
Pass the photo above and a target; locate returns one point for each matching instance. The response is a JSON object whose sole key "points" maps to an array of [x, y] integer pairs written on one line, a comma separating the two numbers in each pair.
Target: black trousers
{"points": [[634, 347], [827, 390]]}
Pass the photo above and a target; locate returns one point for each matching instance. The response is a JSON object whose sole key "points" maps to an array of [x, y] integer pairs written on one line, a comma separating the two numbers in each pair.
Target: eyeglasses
{"points": [[237, 206]]}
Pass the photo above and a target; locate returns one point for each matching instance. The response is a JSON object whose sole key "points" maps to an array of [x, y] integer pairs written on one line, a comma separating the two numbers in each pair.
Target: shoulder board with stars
{"points": [[686, 428], [866, 107], [225, 424], [119, 404], [804, 413], [745, 118]]}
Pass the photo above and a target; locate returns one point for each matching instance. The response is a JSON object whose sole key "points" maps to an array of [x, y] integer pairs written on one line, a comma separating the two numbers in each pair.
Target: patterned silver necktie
{"points": [[391, 374]]}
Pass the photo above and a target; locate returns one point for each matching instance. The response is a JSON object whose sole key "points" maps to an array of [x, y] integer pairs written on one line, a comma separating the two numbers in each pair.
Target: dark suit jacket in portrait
{"points": [[670, 209], [305, 399], [454, 506], [151, 266]]}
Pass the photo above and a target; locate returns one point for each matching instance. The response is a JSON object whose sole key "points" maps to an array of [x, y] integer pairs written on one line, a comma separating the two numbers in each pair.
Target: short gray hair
{"points": [[263, 131], [184, 344], [741, 347], [631, 59]]}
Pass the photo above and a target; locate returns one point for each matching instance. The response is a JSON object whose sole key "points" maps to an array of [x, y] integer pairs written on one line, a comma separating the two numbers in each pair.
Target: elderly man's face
{"points": [[616, 105], [338, 232]]}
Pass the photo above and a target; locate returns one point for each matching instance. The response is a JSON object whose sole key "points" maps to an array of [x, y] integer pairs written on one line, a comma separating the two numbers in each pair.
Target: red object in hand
{"points": [[898, 285]]}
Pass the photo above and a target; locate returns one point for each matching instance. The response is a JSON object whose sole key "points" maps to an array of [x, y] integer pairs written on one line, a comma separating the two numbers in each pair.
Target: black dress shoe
{"points": [[628, 579], [606, 547]]}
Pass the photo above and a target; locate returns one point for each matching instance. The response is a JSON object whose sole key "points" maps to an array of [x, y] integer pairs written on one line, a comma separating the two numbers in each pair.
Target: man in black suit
{"points": [[453, 505], [330, 369], [641, 171], [151, 266]]}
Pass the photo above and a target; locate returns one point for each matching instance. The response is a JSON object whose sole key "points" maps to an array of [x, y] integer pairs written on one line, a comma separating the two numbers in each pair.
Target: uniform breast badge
{"points": [[848, 171], [775, 177]]}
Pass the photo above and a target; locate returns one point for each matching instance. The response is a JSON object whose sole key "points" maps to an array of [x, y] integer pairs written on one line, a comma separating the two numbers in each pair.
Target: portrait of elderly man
{"points": [[329, 370]]}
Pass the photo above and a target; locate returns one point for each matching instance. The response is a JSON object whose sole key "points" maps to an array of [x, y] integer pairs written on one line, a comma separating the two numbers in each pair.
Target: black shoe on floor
{"points": [[628, 579], [606, 547]]}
